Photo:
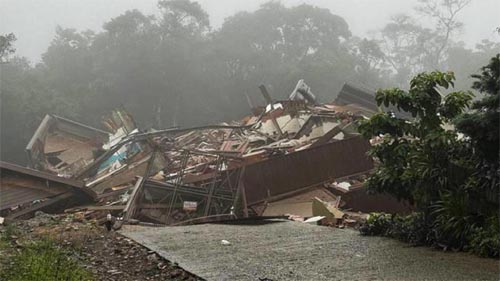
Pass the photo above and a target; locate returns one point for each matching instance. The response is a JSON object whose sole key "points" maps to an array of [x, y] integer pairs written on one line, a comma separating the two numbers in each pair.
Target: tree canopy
{"points": [[174, 69], [6, 46]]}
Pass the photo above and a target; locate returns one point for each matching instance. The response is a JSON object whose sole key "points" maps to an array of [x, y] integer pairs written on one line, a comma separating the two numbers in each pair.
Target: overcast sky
{"points": [[34, 21]]}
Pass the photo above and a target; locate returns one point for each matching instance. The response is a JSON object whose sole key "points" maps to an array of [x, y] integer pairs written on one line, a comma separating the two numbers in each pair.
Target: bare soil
{"points": [[107, 255]]}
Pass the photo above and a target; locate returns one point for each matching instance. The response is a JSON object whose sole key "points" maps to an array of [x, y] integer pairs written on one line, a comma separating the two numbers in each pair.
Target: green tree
{"points": [[127, 66], [277, 45], [67, 70], [6, 46], [369, 61], [482, 126], [452, 180], [25, 99], [444, 14], [416, 156], [407, 46], [466, 61], [410, 48], [183, 18], [173, 69]]}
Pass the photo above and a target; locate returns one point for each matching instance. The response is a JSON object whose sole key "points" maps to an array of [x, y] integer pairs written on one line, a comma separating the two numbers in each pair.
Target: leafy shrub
{"points": [[412, 228], [376, 224], [453, 181], [485, 241], [416, 229]]}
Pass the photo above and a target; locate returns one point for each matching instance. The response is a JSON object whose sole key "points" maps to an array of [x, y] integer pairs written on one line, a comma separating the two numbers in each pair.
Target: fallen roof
{"points": [[62, 123], [364, 97], [350, 94], [60, 145], [19, 186], [284, 149], [5, 166], [281, 175]]}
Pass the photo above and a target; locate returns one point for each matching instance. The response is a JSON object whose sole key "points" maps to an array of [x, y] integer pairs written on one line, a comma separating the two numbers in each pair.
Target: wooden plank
{"points": [[113, 193], [105, 208], [329, 135], [40, 184]]}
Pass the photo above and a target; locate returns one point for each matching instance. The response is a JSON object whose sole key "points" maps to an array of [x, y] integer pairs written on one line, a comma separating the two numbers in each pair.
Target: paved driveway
{"points": [[288, 250]]}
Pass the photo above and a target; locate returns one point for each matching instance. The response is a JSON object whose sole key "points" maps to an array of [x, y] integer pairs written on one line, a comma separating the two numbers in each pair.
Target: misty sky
{"points": [[34, 21]]}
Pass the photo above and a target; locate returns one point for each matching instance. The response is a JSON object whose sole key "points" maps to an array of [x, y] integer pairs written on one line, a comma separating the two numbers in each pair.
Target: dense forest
{"points": [[174, 69]]}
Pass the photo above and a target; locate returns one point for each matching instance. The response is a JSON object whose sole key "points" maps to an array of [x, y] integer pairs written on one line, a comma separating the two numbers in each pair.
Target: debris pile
{"points": [[289, 156]]}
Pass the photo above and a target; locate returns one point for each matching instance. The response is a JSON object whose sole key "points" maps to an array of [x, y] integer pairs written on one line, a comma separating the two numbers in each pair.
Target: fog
{"points": [[180, 112], [34, 21], [188, 63]]}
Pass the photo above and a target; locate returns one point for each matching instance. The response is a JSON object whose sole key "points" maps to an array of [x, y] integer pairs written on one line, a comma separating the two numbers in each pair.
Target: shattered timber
{"points": [[293, 158]]}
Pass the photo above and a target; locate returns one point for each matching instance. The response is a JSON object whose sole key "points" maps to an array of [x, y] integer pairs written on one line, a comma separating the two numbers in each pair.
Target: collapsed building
{"points": [[286, 158]]}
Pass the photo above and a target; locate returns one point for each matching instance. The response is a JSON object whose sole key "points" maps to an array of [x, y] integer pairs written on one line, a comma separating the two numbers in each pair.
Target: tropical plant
{"points": [[417, 154], [452, 179]]}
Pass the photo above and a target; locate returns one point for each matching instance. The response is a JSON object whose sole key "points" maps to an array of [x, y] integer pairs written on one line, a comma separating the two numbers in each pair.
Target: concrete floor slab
{"points": [[299, 251]]}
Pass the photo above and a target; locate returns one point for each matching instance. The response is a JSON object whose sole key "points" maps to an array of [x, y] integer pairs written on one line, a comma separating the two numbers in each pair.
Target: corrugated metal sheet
{"points": [[19, 185], [11, 195], [302, 169], [350, 94], [7, 168]]}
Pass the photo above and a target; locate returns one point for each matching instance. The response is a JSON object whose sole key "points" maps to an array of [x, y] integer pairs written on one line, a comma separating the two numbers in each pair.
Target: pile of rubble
{"points": [[289, 157]]}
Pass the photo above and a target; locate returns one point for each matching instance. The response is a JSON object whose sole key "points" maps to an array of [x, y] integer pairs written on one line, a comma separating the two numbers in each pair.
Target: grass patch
{"points": [[39, 260]]}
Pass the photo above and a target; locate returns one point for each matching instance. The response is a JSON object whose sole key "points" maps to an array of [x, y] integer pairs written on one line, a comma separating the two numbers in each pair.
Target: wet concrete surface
{"points": [[298, 251]]}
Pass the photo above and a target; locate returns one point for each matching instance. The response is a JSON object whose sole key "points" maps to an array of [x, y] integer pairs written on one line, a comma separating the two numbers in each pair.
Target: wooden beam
{"points": [[132, 202], [212, 186], [242, 191], [154, 206], [105, 208], [269, 101], [265, 94]]}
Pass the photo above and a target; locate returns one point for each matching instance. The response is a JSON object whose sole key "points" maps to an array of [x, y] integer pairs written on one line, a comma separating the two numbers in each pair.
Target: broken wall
{"points": [[295, 171]]}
